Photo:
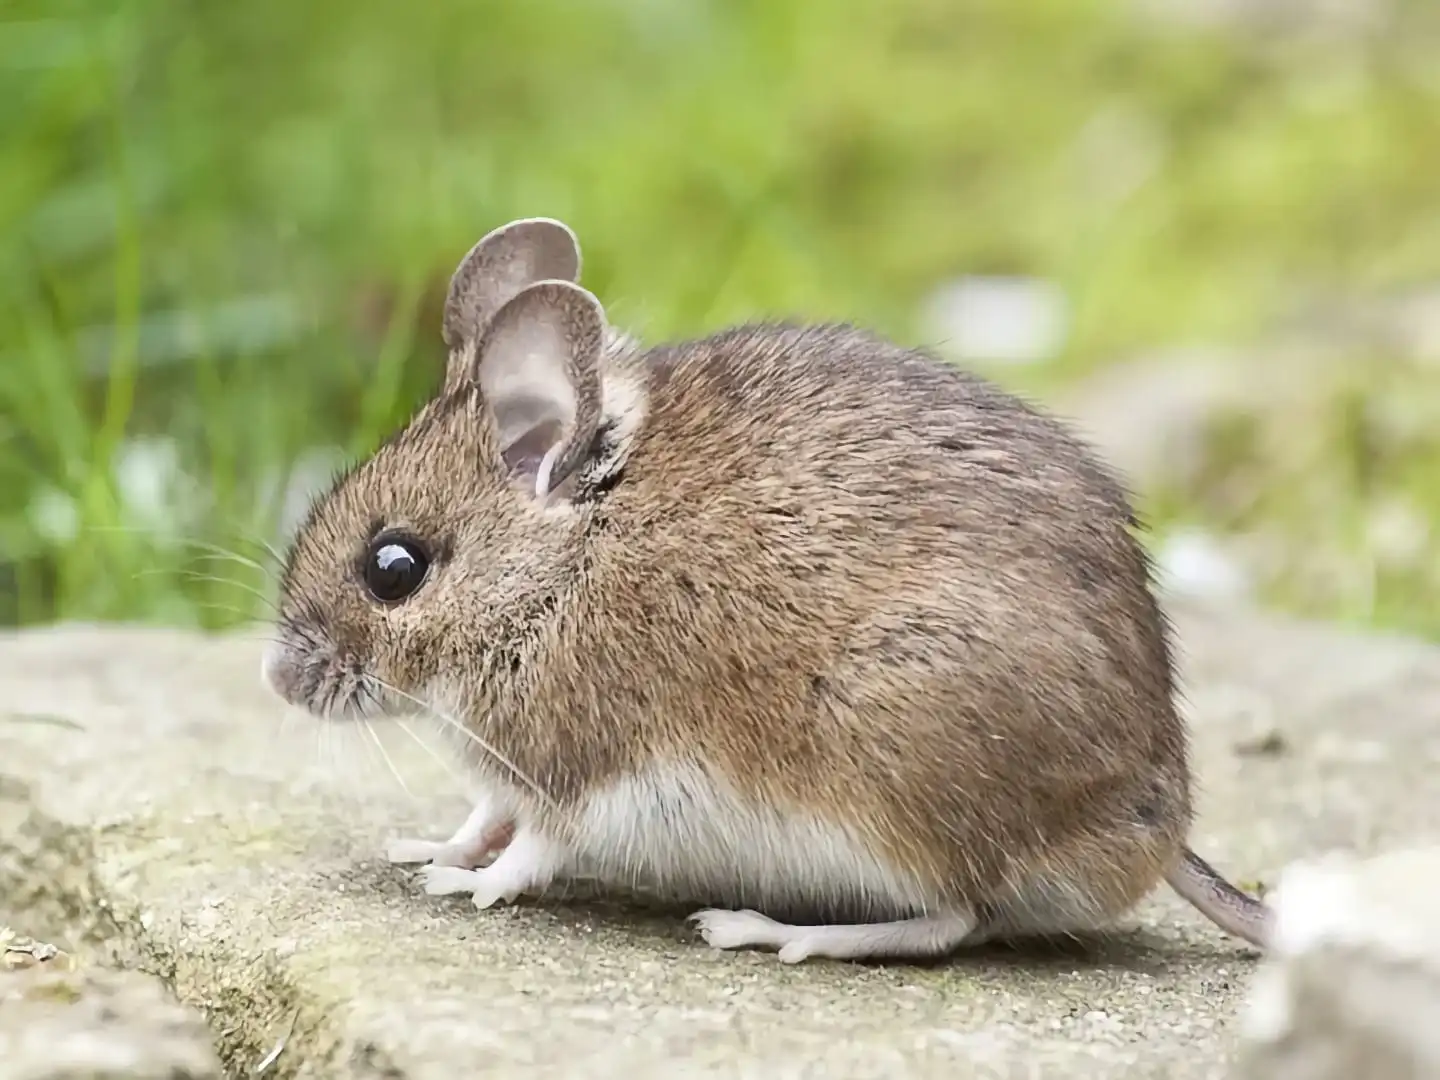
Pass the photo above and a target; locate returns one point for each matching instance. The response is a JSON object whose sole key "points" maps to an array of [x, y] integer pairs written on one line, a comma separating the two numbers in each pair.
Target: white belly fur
{"points": [[684, 833]]}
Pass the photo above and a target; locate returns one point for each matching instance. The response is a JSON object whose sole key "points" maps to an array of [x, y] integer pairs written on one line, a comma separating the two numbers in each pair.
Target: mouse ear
{"points": [[502, 263], [537, 366]]}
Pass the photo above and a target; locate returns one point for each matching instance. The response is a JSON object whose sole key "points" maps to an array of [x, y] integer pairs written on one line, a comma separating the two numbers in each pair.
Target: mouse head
{"points": [[438, 552]]}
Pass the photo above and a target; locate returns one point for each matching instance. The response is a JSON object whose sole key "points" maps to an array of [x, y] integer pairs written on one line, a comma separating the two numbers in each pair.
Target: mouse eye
{"points": [[394, 568]]}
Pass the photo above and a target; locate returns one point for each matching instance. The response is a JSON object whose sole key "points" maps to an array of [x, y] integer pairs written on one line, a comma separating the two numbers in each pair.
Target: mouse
{"points": [[850, 648]]}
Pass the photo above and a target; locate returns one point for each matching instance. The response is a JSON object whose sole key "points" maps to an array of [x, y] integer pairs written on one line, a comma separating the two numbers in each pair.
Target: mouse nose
{"points": [[275, 671]]}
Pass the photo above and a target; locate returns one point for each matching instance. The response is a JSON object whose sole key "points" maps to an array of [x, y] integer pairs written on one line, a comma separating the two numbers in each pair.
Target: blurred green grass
{"points": [[225, 228]]}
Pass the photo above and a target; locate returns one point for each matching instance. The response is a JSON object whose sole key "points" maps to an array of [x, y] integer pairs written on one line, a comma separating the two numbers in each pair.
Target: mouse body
{"points": [[847, 644]]}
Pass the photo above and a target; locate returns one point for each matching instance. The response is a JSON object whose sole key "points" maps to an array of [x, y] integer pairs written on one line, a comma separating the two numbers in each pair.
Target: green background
{"points": [[225, 229]]}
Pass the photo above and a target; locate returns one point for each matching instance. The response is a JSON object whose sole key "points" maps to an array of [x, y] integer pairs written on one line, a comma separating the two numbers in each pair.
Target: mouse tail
{"points": [[1199, 883]]}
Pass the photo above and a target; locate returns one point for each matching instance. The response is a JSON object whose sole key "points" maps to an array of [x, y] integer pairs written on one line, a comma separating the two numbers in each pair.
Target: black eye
{"points": [[394, 569]]}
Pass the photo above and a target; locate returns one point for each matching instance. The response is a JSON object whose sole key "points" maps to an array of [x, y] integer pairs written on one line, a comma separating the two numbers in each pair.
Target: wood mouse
{"points": [[836, 638]]}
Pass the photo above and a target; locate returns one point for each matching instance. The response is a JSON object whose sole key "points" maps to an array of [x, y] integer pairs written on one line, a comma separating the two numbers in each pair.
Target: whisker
{"points": [[369, 730], [187, 541], [440, 759], [252, 537], [341, 750], [231, 609], [268, 638], [515, 770], [193, 575], [235, 557], [271, 551]]}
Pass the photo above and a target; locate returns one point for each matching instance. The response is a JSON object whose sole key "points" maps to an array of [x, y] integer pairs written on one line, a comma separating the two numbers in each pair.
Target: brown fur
{"points": [[853, 580]]}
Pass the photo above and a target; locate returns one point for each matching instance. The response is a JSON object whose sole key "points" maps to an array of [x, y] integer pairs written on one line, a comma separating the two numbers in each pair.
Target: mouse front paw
{"points": [[496, 892], [449, 880], [405, 850], [527, 864]]}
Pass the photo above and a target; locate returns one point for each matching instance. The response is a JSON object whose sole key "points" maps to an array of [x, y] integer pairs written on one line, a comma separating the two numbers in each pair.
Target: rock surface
{"points": [[1353, 986], [157, 808], [99, 1025]]}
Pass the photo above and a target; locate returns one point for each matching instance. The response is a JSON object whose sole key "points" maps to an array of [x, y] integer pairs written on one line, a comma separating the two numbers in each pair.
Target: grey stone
{"points": [[99, 1025], [157, 806], [1352, 987]]}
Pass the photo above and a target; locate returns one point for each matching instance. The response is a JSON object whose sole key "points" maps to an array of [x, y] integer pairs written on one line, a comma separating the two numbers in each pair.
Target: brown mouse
{"points": [[822, 632]]}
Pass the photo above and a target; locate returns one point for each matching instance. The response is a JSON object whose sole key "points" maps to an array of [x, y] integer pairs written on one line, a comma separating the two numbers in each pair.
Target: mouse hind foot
{"points": [[924, 938]]}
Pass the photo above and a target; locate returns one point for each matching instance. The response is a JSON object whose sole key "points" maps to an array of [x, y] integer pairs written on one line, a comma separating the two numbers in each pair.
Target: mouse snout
{"points": [[315, 678], [279, 672], [297, 675]]}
